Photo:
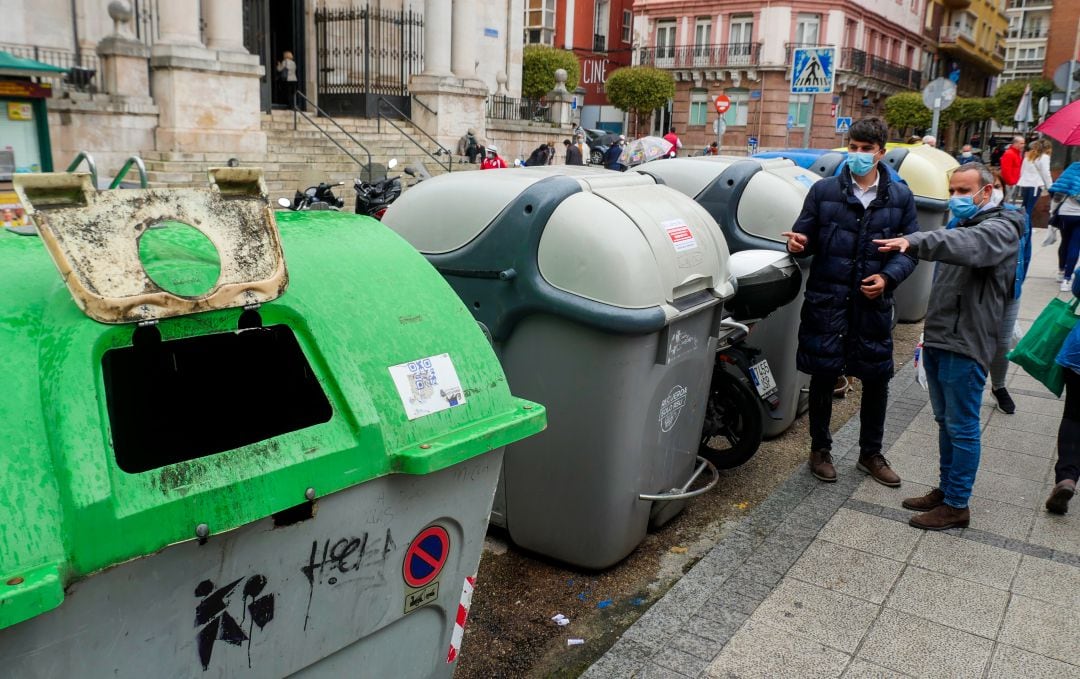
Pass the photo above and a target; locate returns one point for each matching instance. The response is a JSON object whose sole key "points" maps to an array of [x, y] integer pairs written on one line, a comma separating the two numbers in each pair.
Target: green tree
{"points": [[538, 66], [906, 110], [967, 110], [639, 90], [1003, 104]]}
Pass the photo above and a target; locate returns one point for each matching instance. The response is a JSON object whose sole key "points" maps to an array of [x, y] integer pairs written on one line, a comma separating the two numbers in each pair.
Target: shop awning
{"points": [[19, 66]]}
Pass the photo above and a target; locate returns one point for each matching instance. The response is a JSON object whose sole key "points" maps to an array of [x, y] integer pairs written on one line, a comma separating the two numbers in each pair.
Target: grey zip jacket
{"points": [[974, 278]]}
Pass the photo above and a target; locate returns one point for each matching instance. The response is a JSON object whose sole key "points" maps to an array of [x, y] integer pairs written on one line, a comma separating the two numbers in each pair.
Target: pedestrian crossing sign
{"points": [[813, 70], [843, 124]]}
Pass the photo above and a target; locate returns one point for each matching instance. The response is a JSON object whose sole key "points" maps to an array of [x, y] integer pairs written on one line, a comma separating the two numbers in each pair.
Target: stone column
{"points": [[437, 38], [178, 23], [465, 36], [224, 25], [123, 58], [559, 99]]}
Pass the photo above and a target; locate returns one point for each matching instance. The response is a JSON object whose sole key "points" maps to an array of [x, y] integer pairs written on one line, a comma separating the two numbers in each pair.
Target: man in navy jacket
{"points": [[847, 310]]}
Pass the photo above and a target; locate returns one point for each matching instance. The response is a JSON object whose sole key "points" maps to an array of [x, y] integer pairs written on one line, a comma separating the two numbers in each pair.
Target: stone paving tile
{"points": [[915, 444], [680, 661], [1009, 489], [870, 534], [860, 669], [873, 492], [1022, 380], [1039, 445], [922, 648], [1033, 423], [1042, 406], [687, 640], [829, 618], [623, 659], [998, 517], [1012, 463], [1057, 532], [716, 624], [965, 559], [654, 670], [1014, 663], [847, 571], [946, 600], [1048, 581], [1042, 628], [760, 651]]}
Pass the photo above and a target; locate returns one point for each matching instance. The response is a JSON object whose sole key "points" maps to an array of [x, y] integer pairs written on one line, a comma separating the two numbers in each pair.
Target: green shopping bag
{"points": [[1037, 350]]}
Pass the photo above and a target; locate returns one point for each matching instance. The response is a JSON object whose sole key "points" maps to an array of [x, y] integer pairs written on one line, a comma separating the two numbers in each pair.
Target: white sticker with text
{"points": [[427, 385], [682, 238]]}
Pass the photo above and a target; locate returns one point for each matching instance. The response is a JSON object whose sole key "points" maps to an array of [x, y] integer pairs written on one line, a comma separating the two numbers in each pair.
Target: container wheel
{"points": [[733, 421]]}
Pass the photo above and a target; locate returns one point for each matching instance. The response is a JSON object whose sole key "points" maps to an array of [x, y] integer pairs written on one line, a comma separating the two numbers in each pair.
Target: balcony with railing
{"points": [[1028, 4], [1017, 34], [859, 62], [1025, 65], [83, 68], [952, 35], [730, 55], [510, 108]]}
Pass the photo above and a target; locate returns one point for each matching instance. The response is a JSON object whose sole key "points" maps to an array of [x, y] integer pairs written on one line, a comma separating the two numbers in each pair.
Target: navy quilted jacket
{"points": [[842, 332]]}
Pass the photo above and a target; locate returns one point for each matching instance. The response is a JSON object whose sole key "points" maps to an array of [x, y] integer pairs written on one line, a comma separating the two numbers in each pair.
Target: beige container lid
{"points": [[926, 171]]}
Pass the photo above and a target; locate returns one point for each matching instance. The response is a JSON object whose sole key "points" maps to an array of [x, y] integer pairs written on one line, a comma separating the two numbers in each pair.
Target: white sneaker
{"points": [[1066, 285]]}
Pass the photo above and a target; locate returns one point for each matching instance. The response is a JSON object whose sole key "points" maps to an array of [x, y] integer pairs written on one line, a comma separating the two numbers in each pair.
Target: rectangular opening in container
{"points": [[178, 400]]}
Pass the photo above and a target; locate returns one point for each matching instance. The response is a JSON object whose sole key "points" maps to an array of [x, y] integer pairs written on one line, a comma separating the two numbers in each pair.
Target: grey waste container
{"points": [[603, 292], [926, 171], [754, 201]]}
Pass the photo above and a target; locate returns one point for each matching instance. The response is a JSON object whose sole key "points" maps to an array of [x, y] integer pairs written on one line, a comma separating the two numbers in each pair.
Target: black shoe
{"points": [[1004, 401]]}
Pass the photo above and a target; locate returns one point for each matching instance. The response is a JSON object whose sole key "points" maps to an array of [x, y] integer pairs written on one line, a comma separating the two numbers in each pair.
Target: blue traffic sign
{"points": [[843, 125], [813, 70]]}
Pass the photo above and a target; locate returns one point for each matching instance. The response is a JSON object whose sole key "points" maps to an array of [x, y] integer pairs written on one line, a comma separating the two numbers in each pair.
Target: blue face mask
{"points": [[860, 163], [964, 207]]}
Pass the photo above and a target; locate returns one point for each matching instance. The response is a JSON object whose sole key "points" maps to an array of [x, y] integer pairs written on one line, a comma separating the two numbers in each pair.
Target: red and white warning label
{"points": [[682, 238]]}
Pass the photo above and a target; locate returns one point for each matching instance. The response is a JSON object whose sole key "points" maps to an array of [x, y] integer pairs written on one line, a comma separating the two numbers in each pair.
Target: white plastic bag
{"points": [[920, 368]]}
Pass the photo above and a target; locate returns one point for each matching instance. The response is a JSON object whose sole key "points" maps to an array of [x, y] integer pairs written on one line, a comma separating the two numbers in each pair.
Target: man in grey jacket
{"points": [[974, 278]]}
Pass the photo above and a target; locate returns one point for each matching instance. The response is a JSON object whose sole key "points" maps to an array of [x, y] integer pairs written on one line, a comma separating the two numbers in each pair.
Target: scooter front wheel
{"points": [[733, 421]]}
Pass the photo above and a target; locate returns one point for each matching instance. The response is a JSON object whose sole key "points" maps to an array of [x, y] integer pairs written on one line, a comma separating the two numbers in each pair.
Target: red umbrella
{"points": [[1064, 125]]}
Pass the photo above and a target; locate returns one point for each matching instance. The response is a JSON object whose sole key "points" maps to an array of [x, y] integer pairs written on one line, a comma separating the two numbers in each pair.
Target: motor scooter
{"points": [[319, 197]]}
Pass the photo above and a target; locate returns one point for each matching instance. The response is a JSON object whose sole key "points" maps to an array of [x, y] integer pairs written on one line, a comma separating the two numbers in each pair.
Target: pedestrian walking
{"points": [[1034, 174], [286, 70], [582, 147], [972, 284], [573, 153], [613, 154], [1065, 210], [966, 155], [676, 143], [1011, 161], [999, 368], [1067, 469], [492, 160], [847, 313]]}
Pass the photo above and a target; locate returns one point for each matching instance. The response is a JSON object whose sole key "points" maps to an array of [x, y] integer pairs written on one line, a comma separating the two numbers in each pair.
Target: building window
{"points": [[665, 40], [740, 100], [601, 22], [540, 22], [699, 107], [702, 35], [741, 30], [627, 25], [806, 29], [799, 109]]}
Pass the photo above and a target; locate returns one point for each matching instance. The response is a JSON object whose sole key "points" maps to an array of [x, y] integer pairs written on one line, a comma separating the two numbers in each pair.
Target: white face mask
{"points": [[966, 154], [996, 196]]}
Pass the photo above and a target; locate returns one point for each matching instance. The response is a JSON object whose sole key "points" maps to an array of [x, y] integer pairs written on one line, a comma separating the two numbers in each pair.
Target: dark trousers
{"points": [[875, 397], [1068, 464], [1069, 250]]}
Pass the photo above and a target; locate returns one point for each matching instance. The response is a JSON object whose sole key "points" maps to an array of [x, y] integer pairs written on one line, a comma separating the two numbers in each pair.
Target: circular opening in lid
{"points": [[179, 258]]}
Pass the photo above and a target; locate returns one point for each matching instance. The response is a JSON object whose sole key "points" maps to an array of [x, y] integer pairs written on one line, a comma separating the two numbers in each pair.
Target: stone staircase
{"points": [[302, 157]]}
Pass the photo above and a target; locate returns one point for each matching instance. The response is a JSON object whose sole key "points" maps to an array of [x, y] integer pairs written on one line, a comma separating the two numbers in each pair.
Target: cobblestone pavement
{"points": [[828, 580]]}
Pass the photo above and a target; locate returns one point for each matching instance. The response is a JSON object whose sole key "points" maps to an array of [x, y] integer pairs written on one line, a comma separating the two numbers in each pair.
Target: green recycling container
{"points": [[214, 466]]}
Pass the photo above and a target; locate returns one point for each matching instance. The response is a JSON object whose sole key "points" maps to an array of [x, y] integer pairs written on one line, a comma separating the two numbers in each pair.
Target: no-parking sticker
{"points": [[682, 238], [426, 556]]}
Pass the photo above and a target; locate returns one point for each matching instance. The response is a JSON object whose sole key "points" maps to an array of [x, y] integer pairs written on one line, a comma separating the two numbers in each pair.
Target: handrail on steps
{"points": [[138, 163], [90, 164], [298, 112], [442, 150]]}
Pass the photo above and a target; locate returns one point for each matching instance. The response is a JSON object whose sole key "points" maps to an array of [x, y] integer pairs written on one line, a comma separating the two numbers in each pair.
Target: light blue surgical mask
{"points": [[964, 207], [860, 163]]}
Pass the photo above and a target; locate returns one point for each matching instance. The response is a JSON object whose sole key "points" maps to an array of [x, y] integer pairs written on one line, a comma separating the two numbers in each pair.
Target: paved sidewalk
{"points": [[828, 580]]}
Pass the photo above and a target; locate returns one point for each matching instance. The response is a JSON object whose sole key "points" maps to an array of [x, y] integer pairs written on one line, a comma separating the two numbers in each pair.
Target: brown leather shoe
{"points": [[1058, 502], [941, 517], [821, 465], [925, 503], [878, 467]]}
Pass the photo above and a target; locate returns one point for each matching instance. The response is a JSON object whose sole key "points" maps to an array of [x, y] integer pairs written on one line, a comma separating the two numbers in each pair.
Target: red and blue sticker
{"points": [[426, 556]]}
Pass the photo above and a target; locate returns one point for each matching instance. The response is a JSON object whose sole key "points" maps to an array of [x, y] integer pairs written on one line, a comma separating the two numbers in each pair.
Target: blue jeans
{"points": [[1029, 194], [956, 385]]}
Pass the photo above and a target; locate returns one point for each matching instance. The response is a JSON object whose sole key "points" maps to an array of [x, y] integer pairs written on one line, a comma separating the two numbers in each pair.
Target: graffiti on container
{"points": [[671, 406], [335, 562], [217, 623], [680, 343]]}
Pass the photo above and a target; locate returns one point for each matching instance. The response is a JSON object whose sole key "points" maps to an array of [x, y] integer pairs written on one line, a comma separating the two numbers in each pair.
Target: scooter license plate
{"points": [[762, 375]]}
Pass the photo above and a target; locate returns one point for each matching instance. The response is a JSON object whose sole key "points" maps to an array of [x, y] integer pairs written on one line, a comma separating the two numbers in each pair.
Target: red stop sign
{"points": [[722, 104]]}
